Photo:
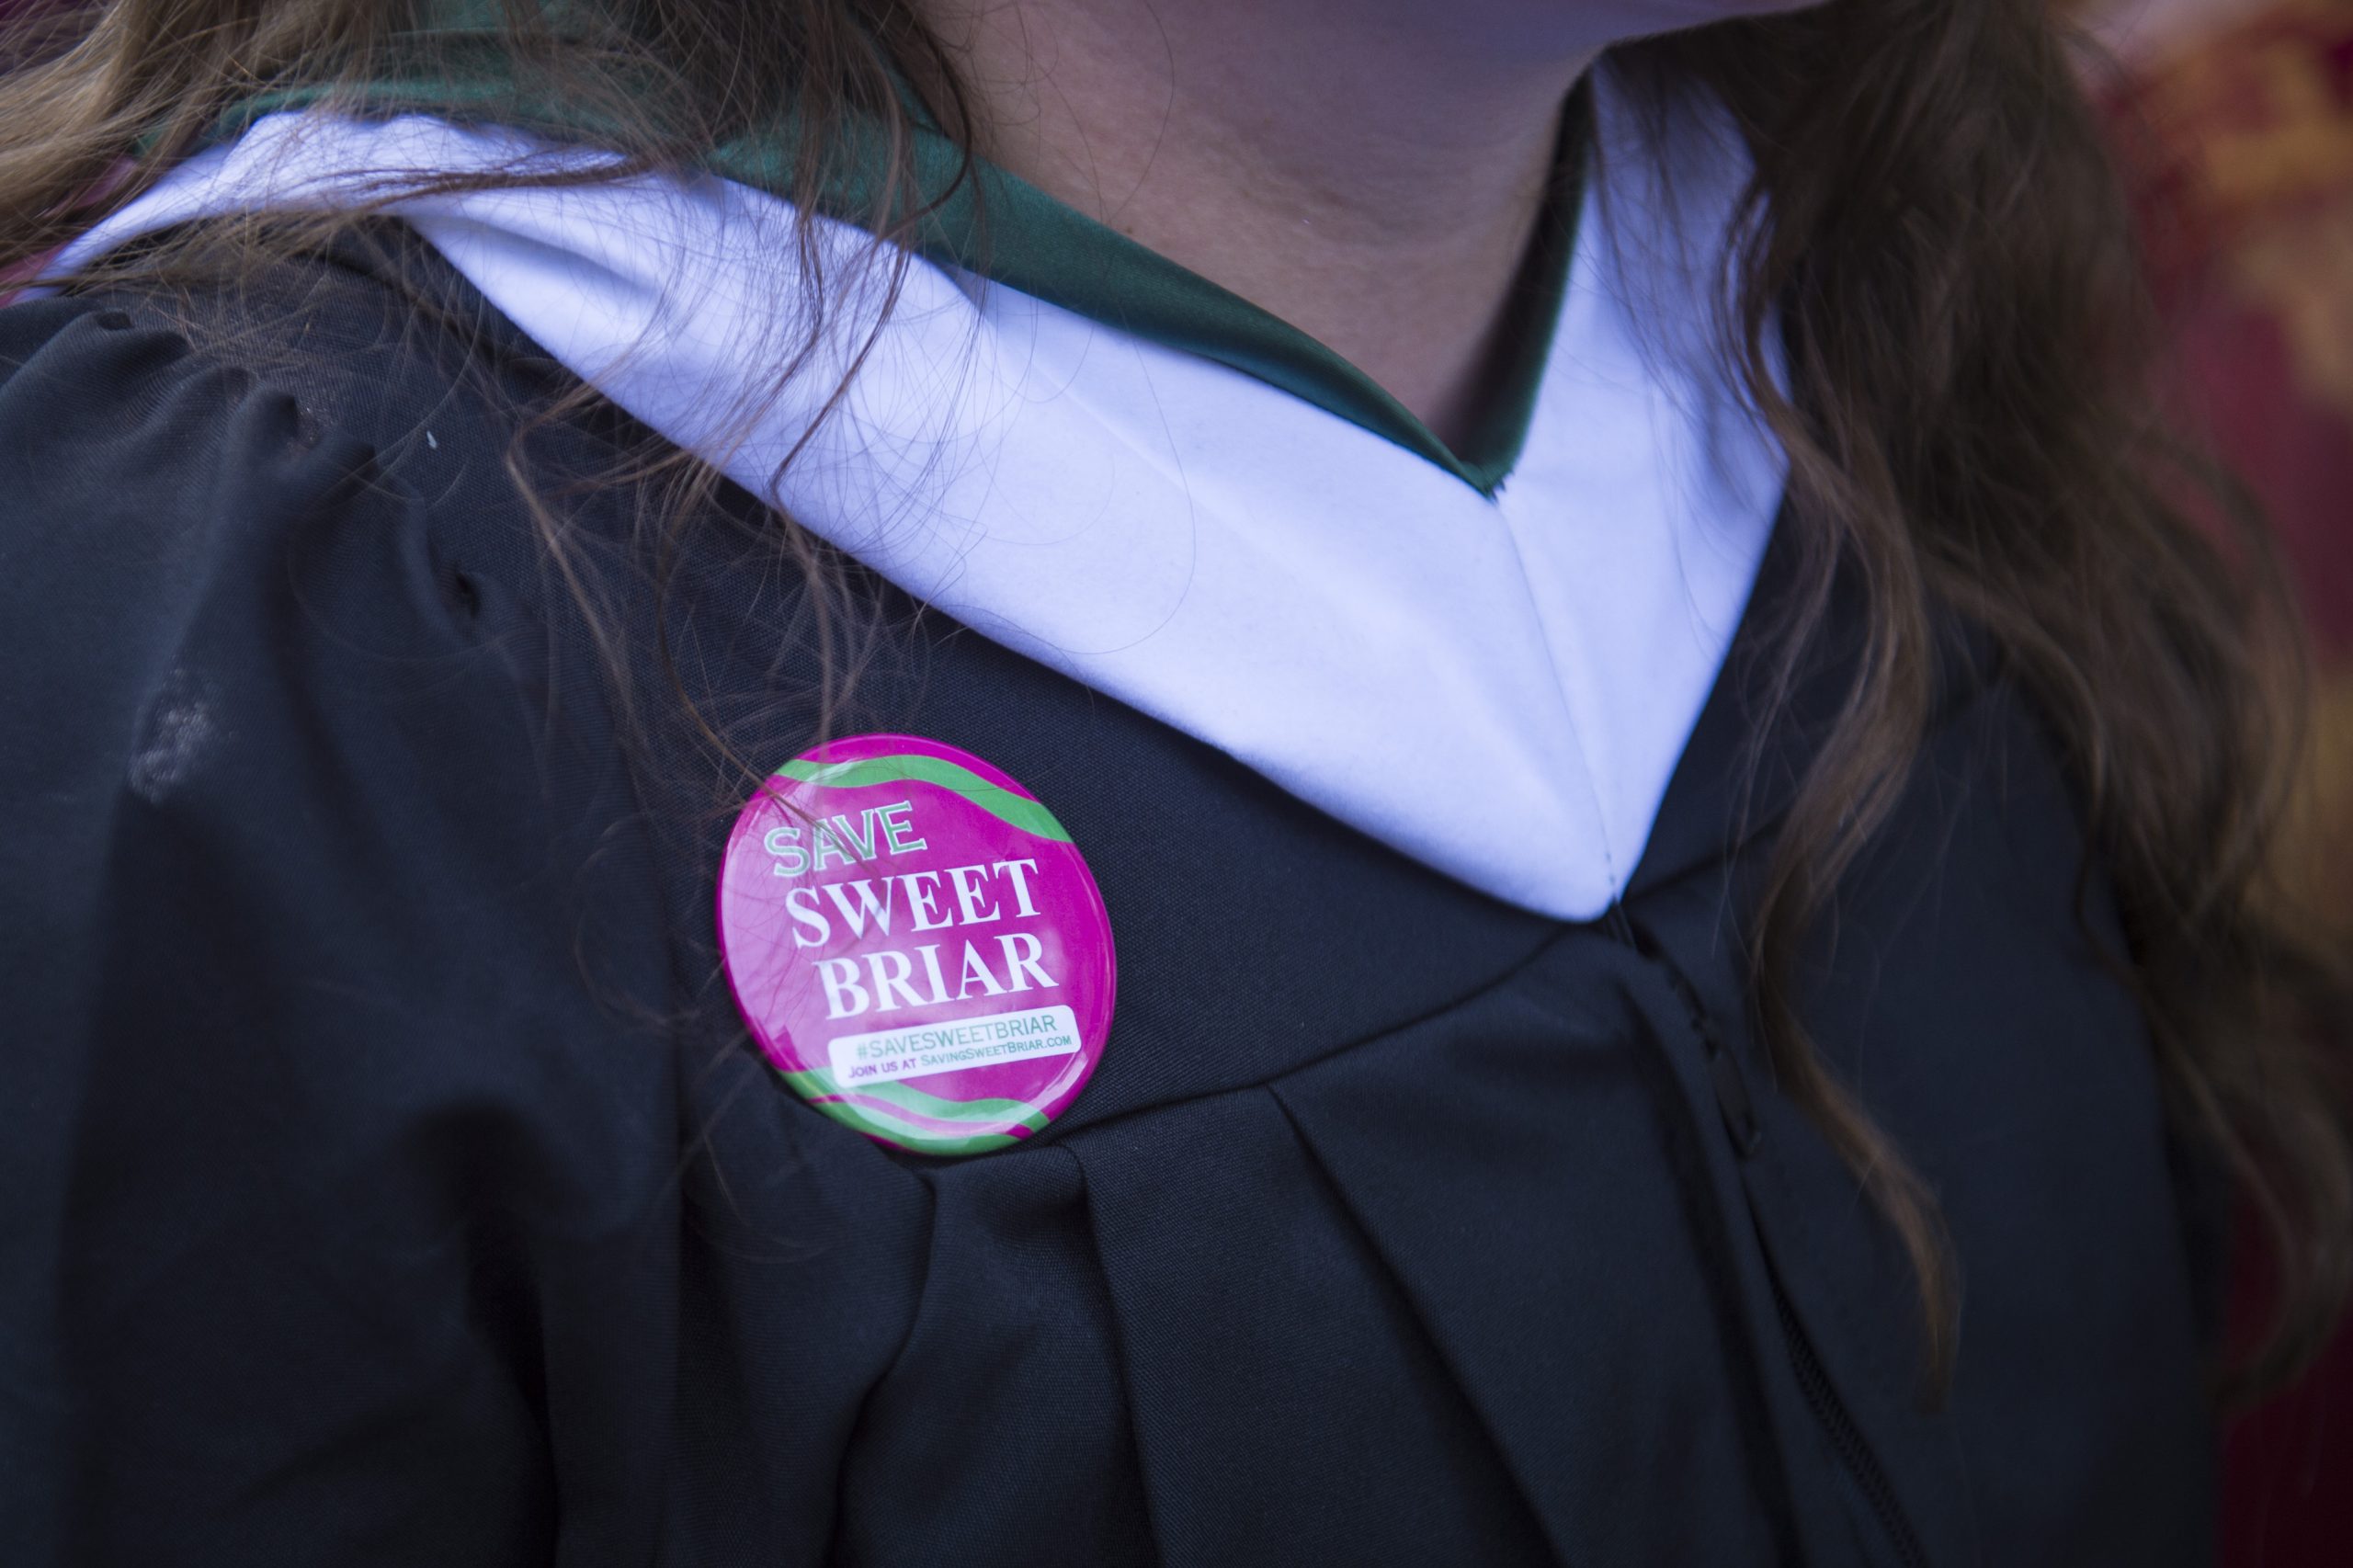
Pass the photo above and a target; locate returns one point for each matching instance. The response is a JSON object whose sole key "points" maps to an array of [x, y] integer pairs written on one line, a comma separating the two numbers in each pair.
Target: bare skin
{"points": [[1371, 171]]}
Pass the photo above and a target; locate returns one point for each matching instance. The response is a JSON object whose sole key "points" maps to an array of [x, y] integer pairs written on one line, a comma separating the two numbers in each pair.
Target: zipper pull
{"points": [[1732, 1092], [1734, 1102]]}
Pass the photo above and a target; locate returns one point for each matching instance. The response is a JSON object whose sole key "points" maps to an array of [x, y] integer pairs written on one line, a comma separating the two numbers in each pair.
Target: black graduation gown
{"points": [[387, 1180]]}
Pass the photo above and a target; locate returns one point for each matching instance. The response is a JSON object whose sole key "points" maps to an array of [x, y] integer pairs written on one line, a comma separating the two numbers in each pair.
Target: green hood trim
{"points": [[978, 217]]}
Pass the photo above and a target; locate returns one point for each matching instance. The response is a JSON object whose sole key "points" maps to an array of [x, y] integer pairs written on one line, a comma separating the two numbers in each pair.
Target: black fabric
{"points": [[387, 1181]]}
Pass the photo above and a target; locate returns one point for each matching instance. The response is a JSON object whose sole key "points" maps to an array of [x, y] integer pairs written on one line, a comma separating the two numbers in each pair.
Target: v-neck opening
{"points": [[988, 221], [1017, 235]]}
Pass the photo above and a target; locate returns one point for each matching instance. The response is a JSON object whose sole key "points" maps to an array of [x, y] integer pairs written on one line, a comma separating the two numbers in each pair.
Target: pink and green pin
{"points": [[916, 944]]}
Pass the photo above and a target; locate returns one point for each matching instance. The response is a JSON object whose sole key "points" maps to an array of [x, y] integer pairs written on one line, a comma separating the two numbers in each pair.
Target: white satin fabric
{"points": [[1499, 687]]}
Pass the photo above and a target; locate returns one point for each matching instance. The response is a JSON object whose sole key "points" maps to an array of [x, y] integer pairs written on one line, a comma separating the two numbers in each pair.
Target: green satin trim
{"points": [[993, 223]]}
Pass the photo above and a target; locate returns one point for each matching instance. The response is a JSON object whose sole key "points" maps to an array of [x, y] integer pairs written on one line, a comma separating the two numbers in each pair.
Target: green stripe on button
{"points": [[1015, 810]]}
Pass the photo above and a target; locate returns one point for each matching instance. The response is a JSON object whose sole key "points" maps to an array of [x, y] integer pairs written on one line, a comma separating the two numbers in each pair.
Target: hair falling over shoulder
{"points": [[1950, 265]]}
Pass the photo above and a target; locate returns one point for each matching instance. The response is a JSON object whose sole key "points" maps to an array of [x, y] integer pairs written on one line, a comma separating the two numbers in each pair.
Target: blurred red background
{"points": [[2235, 122]]}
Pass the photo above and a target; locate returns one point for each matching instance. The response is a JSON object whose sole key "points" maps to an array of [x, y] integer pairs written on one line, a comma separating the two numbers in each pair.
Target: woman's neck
{"points": [[1371, 171]]}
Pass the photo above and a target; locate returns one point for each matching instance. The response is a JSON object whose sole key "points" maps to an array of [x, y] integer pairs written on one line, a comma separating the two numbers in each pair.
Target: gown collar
{"points": [[1496, 685]]}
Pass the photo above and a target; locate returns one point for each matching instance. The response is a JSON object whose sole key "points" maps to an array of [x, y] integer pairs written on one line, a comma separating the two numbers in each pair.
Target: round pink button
{"points": [[916, 944]]}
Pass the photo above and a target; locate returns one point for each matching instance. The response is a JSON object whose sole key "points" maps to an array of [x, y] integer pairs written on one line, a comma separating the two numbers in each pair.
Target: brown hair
{"points": [[1951, 270]]}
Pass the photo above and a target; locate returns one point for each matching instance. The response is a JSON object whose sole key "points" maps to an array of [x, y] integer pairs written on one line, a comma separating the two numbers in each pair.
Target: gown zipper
{"points": [[1738, 1111], [1862, 1468]]}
